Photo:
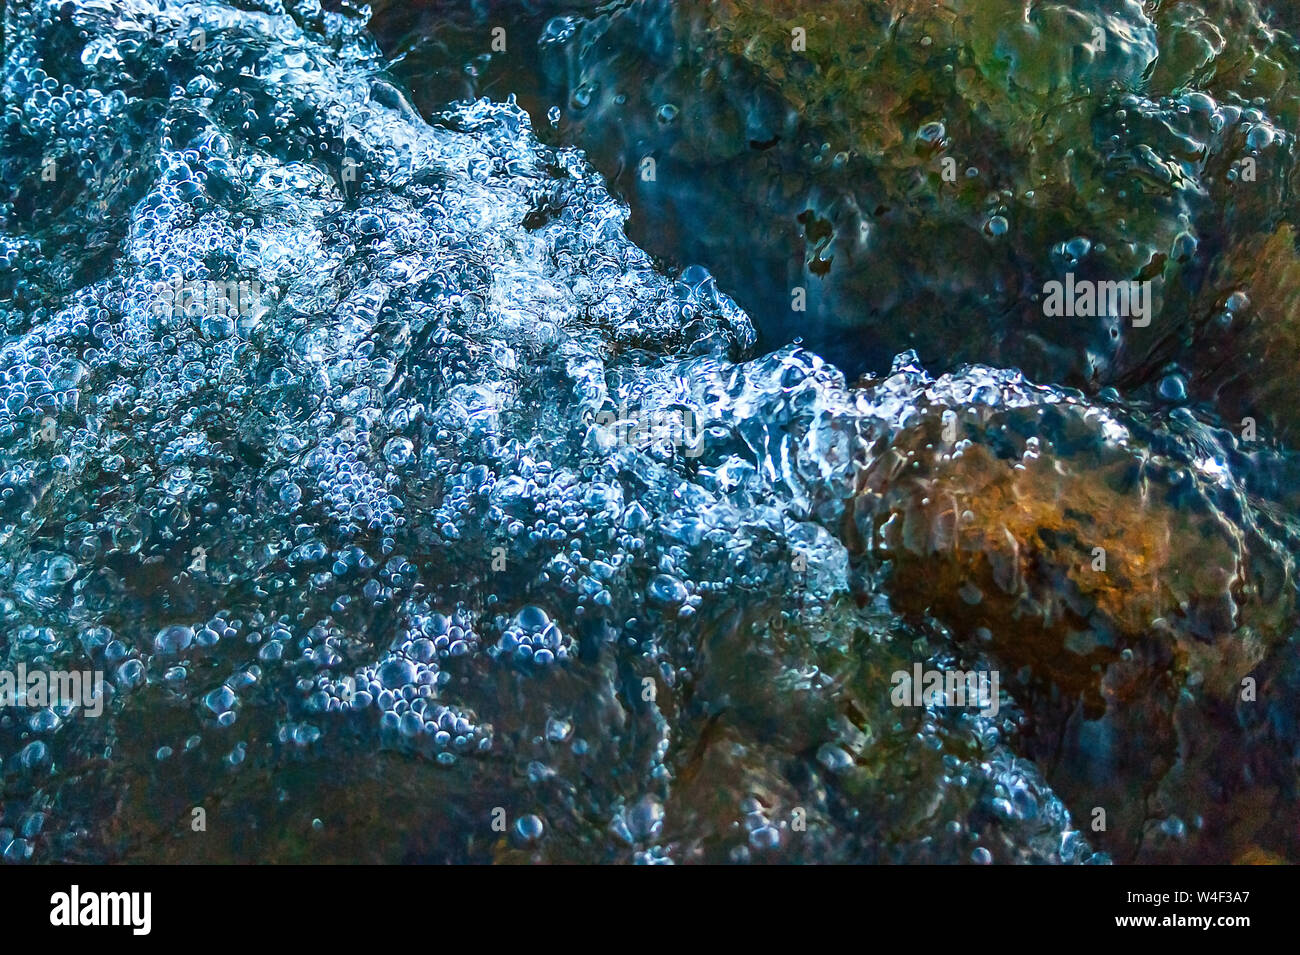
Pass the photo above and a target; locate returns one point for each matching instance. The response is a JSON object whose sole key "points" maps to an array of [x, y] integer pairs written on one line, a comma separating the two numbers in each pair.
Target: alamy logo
{"points": [[42, 688], [959, 688], [675, 429], [1088, 299], [75, 908], [232, 299]]}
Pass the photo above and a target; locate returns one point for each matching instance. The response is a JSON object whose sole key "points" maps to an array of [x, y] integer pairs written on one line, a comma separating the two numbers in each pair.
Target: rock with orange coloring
{"points": [[1130, 588]]}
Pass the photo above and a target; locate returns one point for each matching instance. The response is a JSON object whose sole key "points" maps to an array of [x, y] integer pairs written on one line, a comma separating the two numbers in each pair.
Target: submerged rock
{"points": [[884, 176], [1133, 592]]}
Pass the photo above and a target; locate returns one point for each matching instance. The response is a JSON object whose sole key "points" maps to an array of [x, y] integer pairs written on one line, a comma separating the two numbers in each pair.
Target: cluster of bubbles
{"points": [[534, 638]]}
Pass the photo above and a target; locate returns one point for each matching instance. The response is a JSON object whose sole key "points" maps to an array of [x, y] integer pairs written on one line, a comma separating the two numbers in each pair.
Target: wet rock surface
{"points": [[452, 527]]}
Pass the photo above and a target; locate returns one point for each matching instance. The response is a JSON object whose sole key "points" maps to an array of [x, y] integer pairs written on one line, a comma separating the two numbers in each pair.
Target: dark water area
{"points": [[539, 432], [824, 170], [738, 183]]}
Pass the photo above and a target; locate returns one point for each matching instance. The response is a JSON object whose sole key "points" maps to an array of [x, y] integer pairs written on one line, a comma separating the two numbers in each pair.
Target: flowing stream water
{"points": [[429, 483]]}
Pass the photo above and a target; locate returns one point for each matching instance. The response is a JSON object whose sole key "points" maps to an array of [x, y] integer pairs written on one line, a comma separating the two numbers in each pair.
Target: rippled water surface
{"points": [[430, 478]]}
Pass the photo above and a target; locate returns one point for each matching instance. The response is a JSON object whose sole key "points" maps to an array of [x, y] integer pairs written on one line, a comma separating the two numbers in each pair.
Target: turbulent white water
{"points": [[370, 528]]}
